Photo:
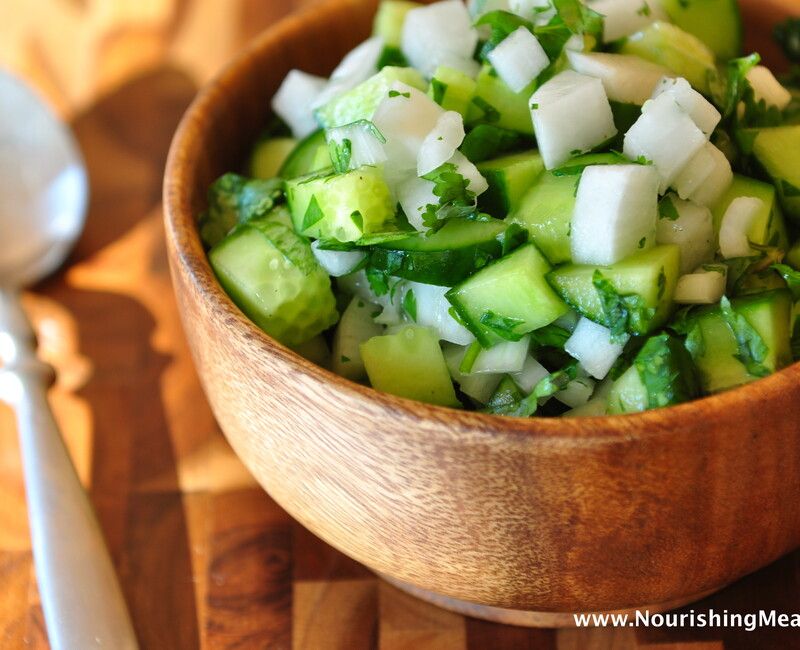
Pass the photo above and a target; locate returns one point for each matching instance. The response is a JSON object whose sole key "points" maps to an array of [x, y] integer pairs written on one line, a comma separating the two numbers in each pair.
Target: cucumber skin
{"points": [[300, 161]]}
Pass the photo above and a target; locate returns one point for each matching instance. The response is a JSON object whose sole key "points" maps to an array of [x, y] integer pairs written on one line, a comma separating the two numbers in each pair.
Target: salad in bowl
{"points": [[528, 207]]}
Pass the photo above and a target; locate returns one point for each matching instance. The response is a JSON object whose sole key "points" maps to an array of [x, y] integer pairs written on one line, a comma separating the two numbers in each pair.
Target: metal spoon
{"points": [[43, 198]]}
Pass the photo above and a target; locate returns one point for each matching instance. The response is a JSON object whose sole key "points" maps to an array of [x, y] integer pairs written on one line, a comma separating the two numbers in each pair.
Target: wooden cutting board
{"points": [[206, 558]]}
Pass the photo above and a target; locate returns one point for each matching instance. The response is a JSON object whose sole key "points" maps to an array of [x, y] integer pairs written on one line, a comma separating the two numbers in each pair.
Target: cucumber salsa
{"points": [[528, 207]]}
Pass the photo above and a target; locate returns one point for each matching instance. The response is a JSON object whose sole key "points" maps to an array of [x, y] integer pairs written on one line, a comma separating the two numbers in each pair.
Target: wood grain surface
{"points": [[207, 560]]}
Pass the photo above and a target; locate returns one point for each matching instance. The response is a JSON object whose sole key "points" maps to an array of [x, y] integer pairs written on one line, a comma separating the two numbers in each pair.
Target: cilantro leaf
{"points": [[551, 336], [378, 281], [667, 209], [752, 349], [455, 199], [666, 371], [622, 314], [502, 24], [235, 199], [502, 326], [579, 18], [410, 305], [341, 154]]}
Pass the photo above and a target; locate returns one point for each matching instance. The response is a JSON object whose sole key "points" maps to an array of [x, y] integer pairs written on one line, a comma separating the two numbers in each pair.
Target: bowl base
{"points": [[524, 618]]}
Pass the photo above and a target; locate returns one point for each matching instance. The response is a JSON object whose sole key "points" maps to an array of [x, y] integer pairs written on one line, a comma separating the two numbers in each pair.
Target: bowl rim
{"points": [[182, 233]]}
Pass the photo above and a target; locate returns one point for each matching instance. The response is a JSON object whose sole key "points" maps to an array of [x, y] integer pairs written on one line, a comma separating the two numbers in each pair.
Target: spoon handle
{"points": [[81, 597]]}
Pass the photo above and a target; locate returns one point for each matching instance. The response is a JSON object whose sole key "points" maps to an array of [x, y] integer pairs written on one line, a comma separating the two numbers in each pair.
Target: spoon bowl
{"points": [[43, 186]]}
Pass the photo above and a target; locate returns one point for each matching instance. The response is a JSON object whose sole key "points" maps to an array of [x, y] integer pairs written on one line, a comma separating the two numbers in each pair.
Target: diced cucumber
{"points": [[768, 228], [429, 307], [449, 255], [716, 352], [507, 357], [452, 89], [355, 327], [269, 156], [662, 375], [409, 364], [509, 180], [650, 275], [303, 158], [717, 23], [343, 207], [389, 20], [271, 274], [679, 51], [778, 152], [495, 103], [508, 298], [360, 102], [627, 79], [506, 398]]}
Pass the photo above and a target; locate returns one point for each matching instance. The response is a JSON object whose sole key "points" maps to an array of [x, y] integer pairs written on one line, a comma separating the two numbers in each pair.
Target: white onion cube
{"points": [[478, 387], [366, 147], [577, 393], [627, 79], [414, 196], [337, 263], [736, 225], [767, 87], [295, 99], [625, 17], [433, 310], [615, 213], [591, 344], [703, 113], [692, 231], [441, 143], [505, 357], [405, 117], [519, 59], [665, 135], [531, 374], [697, 172], [476, 183], [571, 115], [703, 287], [538, 11], [355, 68], [439, 34], [717, 183]]}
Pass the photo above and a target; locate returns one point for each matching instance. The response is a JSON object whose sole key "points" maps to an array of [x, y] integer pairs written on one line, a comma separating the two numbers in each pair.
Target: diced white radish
{"points": [[736, 224], [441, 143], [705, 286], [433, 310], [475, 181], [767, 87], [405, 117], [703, 113], [665, 135], [576, 43], [627, 79], [519, 59], [365, 145], [717, 183], [539, 11], [293, 102], [625, 17], [356, 67], [571, 115], [695, 174], [577, 393], [439, 34], [356, 284], [531, 374], [615, 213], [414, 196], [591, 344], [692, 231], [355, 326], [505, 357], [478, 387], [337, 263]]}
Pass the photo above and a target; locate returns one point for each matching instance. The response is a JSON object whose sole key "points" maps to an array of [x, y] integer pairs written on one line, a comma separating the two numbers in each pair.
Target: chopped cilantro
{"points": [[410, 305], [502, 326], [622, 314], [341, 154], [752, 349]]}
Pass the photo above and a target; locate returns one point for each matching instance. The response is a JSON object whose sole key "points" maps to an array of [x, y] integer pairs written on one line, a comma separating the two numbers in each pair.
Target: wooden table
{"points": [[206, 558]]}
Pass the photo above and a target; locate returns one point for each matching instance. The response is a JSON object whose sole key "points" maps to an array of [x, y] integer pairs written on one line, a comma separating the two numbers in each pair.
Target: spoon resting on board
{"points": [[43, 199]]}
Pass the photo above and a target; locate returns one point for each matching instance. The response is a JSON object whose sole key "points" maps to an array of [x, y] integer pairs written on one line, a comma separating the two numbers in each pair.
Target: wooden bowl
{"points": [[484, 514]]}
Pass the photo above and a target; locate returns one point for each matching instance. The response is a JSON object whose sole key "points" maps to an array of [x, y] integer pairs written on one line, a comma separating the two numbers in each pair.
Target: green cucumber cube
{"points": [[651, 275], [495, 103], [272, 276], [508, 298], [344, 207], [409, 364], [509, 178], [389, 20], [452, 89]]}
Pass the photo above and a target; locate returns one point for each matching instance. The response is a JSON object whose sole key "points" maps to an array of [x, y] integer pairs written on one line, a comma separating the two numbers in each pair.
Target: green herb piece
{"points": [[551, 336], [378, 281], [667, 209], [410, 305], [621, 313], [502, 326], [752, 349], [455, 200], [666, 371], [471, 355], [341, 154], [397, 93]]}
